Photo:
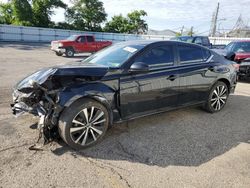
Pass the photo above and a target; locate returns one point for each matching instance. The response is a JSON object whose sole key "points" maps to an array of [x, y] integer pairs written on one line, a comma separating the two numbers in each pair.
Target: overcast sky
{"points": [[172, 14]]}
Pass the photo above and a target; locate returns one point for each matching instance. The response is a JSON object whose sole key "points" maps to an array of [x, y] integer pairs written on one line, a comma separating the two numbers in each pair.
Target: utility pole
{"points": [[191, 32], [214, 21], [182, 29]]}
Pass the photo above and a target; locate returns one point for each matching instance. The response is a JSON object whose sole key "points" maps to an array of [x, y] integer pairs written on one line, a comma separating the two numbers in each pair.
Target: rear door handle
{"points": [[172, 77]]}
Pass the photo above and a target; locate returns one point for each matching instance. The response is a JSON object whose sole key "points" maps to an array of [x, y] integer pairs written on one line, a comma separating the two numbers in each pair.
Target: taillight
{"points": [[236, 66]]}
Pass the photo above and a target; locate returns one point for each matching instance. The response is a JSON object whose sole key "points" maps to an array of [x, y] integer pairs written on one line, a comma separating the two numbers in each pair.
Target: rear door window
{"points": [[190, 54], [90, 38]]}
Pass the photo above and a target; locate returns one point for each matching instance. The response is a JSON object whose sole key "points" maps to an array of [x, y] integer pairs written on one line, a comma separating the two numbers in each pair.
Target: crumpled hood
{"points": [[81, 69], [39, 76], [76, 69]]}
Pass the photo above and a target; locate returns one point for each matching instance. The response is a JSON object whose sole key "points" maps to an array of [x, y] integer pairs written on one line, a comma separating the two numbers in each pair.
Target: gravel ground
{"points": [[182, 148]]}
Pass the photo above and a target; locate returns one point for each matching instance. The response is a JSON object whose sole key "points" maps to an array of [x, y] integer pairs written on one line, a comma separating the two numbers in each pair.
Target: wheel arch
{"points": [[226, 81], [69, 47], [98, 98]]}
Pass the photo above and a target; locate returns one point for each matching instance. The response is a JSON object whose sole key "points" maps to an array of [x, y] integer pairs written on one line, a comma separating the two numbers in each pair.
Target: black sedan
{"points": [[124, 81]]}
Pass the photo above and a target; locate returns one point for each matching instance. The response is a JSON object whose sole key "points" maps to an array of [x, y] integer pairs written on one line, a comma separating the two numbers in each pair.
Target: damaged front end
{"points": [[47, 92], [35, 95]]}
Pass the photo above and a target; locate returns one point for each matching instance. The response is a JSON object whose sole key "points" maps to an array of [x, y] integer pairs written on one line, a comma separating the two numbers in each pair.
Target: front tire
{"points": [[84, 123], [217, 98], [69, 52]]}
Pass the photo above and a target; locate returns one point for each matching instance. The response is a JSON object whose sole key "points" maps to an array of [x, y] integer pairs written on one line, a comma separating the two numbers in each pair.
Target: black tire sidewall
{"points": [[66, 118]]}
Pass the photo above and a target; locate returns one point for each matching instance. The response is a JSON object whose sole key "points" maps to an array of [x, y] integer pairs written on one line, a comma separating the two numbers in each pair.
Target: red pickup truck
{"points": [[78, 44]]}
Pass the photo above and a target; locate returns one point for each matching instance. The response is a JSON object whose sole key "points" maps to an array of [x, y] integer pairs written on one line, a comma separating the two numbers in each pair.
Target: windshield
{"points": [[72, 38], [114, 56], [241, 47], [228, 48]]}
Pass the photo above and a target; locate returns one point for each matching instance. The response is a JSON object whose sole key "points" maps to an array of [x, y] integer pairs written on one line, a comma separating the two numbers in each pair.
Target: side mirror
{"points": [[139, 67]]}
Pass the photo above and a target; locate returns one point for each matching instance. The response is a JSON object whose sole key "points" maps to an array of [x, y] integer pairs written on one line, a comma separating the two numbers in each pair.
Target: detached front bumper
{"points": [[18, 106]]}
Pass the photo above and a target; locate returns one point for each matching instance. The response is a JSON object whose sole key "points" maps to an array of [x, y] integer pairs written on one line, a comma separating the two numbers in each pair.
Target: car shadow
{"points": [[186, 137]]}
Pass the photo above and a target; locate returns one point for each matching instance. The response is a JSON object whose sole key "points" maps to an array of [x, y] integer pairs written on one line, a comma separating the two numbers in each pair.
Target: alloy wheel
{"points": [[88, 126], [219, 97]]}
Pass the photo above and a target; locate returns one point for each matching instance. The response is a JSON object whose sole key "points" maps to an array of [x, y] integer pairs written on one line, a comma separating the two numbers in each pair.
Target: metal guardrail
{"points": [[36, 34]]}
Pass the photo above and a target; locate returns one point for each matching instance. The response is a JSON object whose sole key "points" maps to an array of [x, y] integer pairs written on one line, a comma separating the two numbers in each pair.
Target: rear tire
{"points": [[70, 52], [83, 124], [217, 98]]}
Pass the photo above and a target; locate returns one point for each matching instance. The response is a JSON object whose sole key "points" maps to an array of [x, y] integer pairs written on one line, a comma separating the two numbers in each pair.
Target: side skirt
{"points": [[156, 112]]}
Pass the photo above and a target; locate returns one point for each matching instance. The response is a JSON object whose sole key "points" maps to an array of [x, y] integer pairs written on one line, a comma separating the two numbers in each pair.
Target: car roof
{"points": [[151, 42], [138, 42]]}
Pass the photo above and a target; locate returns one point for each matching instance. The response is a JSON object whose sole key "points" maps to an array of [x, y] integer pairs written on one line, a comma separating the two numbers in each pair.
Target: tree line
{"points": [[87, 15]]}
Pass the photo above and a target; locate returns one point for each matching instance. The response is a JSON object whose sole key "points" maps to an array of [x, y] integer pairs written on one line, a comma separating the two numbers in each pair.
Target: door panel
{"points": [[195, 82], [81, 45], [196, 74], [153, 91], [149, 93]]}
